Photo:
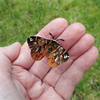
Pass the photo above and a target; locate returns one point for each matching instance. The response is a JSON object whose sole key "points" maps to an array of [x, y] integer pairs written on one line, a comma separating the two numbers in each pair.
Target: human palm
{"points": [[21, 78]]}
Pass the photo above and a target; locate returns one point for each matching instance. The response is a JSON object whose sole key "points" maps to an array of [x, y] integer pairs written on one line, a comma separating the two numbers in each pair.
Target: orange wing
{"points": [[38, 55], [51, 60]]}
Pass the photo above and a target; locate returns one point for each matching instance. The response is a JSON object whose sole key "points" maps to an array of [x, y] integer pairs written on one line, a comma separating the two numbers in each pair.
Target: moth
{"points": [[41, 47]]}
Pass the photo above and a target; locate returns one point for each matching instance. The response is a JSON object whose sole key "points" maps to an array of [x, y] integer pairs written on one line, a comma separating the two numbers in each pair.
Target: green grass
{"points": [[20, 19]]}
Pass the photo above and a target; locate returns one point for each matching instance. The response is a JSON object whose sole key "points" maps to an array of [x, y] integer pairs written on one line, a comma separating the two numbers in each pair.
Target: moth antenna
{"points": [[60, 39], [51, 35]]}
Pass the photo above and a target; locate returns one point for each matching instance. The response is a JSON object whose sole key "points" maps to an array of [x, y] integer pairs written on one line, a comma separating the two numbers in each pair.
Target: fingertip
{"points": [[61, 21], [12, 51], [78, 27], [17, 43], [56, 27], [90, 38], [96, 52]]}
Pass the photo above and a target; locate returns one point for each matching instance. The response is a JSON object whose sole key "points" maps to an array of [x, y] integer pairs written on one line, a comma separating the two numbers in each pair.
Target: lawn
{"points": [[20, 19]]}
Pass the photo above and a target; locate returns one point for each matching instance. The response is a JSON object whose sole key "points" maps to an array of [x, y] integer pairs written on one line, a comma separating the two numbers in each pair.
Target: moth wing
{"points": [[60, 55], [57, 56], [38, 47], [51, 60]]}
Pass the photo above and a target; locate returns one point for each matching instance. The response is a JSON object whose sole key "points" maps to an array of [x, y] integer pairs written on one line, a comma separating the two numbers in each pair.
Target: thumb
{"points": [[11, 51]]}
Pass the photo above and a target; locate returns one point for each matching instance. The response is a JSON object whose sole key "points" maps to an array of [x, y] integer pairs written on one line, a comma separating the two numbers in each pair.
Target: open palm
{"points": [[22, 78]]}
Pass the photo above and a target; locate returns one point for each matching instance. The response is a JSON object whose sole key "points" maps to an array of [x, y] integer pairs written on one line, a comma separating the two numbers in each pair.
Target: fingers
{"points": [[85, 43], [56, 27], [72, 35], [73, 75], [11, 51]]}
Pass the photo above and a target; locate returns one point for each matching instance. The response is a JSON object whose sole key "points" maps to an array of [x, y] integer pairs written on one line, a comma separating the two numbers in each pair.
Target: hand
{"points": [[21, 78]]}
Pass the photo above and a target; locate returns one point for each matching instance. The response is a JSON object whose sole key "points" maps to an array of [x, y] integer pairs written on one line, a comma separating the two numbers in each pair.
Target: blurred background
{"points": [[20, 19]]}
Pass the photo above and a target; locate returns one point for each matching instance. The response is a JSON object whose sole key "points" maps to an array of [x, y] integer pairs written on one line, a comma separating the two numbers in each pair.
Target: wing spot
{"points": [[31, 39], [56, 58], [66, 56]]}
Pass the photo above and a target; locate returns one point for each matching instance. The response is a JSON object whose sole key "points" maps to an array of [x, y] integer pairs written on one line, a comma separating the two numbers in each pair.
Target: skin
{"points": [[21, 78]]}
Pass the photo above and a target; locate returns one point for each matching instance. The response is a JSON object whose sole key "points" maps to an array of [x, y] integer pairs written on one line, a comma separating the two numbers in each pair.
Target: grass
{"points": [[20, 19]]}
